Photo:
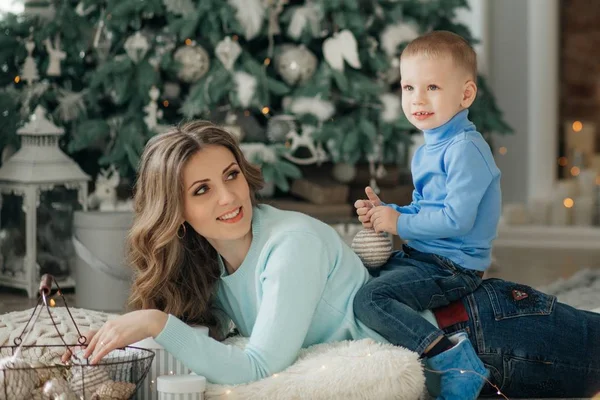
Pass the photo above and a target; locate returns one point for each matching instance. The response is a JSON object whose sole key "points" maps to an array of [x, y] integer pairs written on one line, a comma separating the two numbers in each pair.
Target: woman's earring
{"points": [[184, 232]]}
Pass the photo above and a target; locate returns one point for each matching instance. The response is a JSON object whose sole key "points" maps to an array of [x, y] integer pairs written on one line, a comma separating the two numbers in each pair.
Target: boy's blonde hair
{"points": [[444, 43]]}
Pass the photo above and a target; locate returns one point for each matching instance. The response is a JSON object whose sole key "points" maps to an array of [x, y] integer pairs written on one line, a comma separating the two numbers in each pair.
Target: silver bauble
{"points": [[373, 249], [343, 172], [194, 63], [296, 64], [279, 126]]}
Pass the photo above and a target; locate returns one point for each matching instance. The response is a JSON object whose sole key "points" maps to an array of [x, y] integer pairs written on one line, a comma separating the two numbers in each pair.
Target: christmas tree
{"points": [[299, 82]]}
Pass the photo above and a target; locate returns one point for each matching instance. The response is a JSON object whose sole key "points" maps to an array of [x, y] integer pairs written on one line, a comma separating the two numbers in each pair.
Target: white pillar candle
{"points": [[539, 211], [587, 182], [561, 214], [583, 210], [563, 197], [515, 214]]}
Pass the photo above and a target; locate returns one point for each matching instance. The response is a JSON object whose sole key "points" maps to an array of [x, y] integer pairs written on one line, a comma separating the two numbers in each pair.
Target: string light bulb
{"points": [[52, 303], [17, 79], [265, 110], [502, 150], [166, 103], [577, 126], [563, 161], [568, 202], [267, 61], [575, 171], [188, 42]]}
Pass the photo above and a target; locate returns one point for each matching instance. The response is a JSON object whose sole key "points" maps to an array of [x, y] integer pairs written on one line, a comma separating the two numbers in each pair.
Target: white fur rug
{"points": [[360, 369], [581, 290]]}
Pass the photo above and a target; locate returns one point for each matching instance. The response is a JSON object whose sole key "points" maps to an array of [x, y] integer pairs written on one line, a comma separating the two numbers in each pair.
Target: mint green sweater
{"points": [[294, 289]]}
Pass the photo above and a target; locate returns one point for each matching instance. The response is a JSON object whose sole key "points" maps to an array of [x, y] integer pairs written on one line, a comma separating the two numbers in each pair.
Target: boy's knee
{"points": [[362, 301]]}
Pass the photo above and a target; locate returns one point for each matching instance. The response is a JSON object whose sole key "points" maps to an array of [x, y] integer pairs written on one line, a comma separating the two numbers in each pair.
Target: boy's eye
{"points": [[407, 88], [432, 87]]}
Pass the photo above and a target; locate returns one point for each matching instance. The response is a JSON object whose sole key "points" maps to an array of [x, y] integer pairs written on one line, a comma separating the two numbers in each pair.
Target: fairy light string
{"points": [[229, 391]]}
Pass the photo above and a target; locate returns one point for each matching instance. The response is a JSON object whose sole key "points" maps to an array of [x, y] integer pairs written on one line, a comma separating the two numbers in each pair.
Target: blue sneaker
{"points": [[455, 385]]}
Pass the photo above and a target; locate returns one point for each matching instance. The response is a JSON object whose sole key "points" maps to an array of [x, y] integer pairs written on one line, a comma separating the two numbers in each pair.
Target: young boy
{"points": [[450, 224]]}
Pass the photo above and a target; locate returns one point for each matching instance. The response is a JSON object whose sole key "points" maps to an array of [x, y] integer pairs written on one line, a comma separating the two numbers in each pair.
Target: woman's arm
{"points": [[292, 282]]}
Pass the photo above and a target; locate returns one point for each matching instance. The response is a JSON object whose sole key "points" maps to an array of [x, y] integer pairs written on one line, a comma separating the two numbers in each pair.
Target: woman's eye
{"points": [[408, 88], [201, 190], [233, 175], [433, 87]]}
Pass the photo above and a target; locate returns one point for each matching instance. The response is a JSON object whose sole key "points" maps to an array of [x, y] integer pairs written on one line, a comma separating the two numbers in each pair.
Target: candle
{"points": [[563, 197], [583, 211], [587, 182], [580, 144], [515, 214], [539, 211]]}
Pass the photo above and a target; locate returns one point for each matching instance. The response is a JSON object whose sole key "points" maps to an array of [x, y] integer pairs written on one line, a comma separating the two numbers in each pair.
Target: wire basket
{"points": [[37, 372]]}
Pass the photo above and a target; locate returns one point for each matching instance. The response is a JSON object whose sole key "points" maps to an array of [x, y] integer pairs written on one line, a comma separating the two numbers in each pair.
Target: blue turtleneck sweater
{"points": [[457, 200]]}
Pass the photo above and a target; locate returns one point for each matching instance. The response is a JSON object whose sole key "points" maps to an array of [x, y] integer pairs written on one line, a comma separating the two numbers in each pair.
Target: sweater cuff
{"points": [[174, 334], [402, 226]]}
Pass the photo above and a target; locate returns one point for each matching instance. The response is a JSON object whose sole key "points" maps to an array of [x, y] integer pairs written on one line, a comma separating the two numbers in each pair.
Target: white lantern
{"points": [[39, 188]]}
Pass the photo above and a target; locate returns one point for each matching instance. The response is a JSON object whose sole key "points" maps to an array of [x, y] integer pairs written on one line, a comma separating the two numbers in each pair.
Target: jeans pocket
{"points": [[511, 300], [446, 263], [531, 378]]}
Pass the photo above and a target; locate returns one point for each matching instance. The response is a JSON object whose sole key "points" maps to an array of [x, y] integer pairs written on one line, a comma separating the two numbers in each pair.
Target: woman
{"points": [[204, 252]]}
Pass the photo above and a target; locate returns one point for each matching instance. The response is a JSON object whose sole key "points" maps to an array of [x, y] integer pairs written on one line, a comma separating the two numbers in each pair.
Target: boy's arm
{"points": [[469, 177]]}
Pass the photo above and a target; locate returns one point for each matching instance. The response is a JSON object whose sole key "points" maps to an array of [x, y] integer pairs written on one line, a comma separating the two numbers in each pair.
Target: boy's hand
{"points": [[384, 219], [363, 207]]}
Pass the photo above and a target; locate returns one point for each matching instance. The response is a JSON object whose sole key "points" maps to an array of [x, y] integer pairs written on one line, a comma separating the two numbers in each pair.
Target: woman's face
{"points": [[217, 200]]}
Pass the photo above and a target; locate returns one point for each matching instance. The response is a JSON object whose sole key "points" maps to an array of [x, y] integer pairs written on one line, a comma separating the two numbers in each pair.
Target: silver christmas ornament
{"points": [[136, 47], [279, 126], [228, 51], [373, 249], [194, 63], [296, 64], [343, 172], [171, 90]]}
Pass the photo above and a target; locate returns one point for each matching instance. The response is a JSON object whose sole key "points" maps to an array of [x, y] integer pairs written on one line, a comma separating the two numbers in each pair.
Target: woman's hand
{"points": [[68, 354], [124, 331]]}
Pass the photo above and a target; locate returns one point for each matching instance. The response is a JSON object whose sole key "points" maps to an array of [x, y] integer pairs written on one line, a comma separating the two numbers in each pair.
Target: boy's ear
{"points": [[469, 94]]}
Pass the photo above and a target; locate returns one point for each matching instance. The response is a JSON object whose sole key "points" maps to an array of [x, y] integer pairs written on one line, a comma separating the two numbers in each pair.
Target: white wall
{"points": [[508, 78], [519, 56]]}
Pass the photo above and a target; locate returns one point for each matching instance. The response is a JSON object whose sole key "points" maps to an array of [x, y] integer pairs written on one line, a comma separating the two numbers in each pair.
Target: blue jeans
{"points": [[533, 346], [411, 281]]}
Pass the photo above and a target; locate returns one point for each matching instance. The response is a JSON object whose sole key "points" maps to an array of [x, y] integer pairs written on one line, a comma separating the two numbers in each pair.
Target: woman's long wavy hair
{"points": [[177, 276]]}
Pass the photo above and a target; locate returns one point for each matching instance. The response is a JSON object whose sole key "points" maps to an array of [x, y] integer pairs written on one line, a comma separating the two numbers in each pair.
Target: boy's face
{"points": [[433, 90]]}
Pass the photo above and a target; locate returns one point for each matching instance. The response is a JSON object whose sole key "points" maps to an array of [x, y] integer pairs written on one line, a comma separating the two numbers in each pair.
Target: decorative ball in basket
{"points": [[373, 248], [36, 371]]}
